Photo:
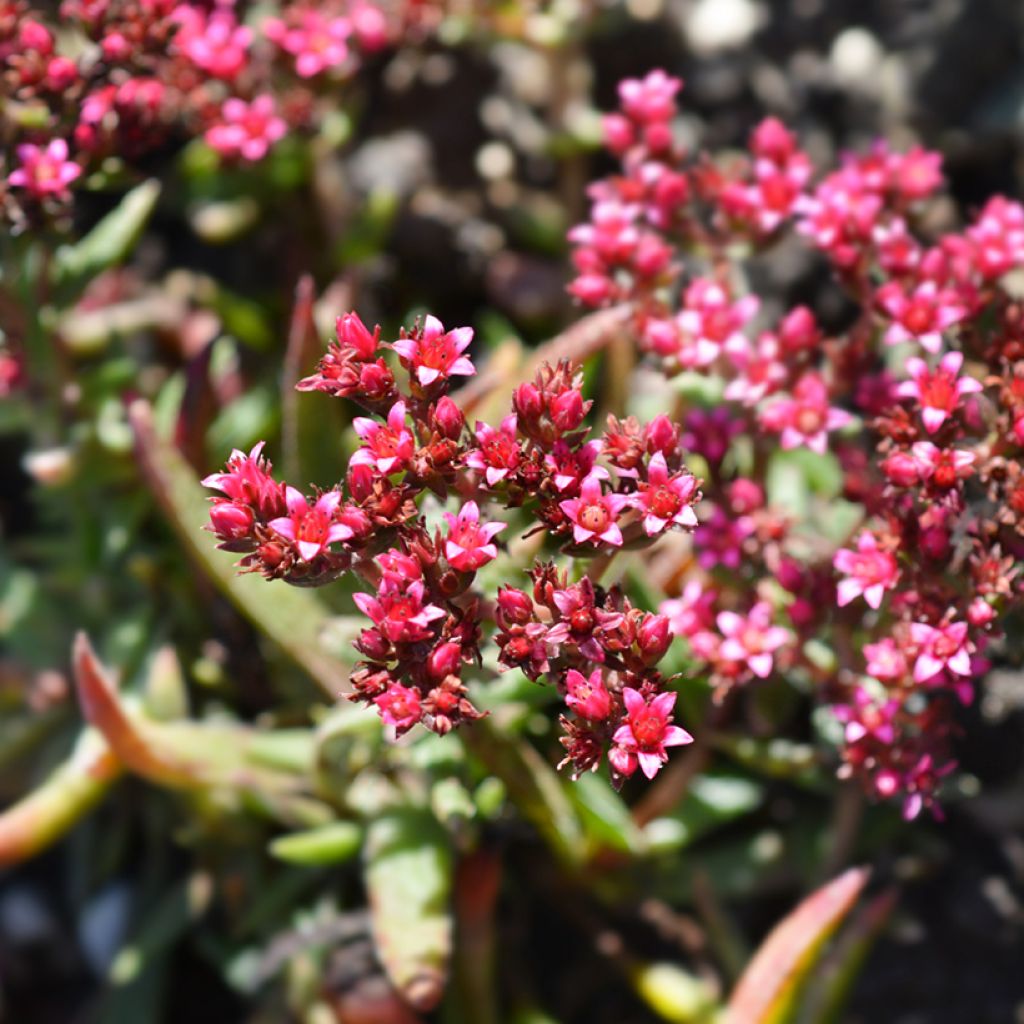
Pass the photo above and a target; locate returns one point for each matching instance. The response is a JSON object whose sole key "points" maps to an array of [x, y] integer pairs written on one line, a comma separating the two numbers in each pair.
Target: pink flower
{"points": [[869, 570], [920, 316], [868, 720], [806, 418], [664, 499], [388, 447], [315, 40], [938, 392], [216, 43], [594, 513], [645, 733], [719, 539], [998, 237], [45, 172], [582, 624], [885, 660], [943, 467], [498, 453], [752, 639], [468, 545], [570, 467], [651, 98], [712, 323], [589, 698], [398, 610], [247, 481], [247, 130], [399, 706], [311, 528], [692, 611], [940, 649], [435, 354], [761, 369]]}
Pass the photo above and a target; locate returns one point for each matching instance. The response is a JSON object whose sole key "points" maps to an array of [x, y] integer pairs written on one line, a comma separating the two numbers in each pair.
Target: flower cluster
{"points": [[915, 408], [419, 516], [126, 77]]}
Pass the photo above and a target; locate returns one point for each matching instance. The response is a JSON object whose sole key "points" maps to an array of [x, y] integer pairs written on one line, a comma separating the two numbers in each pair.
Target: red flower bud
{"points": [[360, 482], [901, 469], [662, 435], [653, 638], [353, 334], [514, 607], [528, 402], [444, 660], [448, 419], [567, 410], [231, 520]]}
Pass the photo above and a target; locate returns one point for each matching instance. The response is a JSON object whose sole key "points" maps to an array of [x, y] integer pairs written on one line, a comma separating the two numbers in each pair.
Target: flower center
{"points": [[595, 518], [647, 729], [918, 318], [809, 421], [664, 503]]}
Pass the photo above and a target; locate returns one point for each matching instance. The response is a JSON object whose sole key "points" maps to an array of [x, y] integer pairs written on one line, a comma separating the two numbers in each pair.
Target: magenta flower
{"points": [[942, 466], [651, 98], [665, 499], [940, 649], [589, 698], [569, 467], [869, 570], [388, 447], [805, 419], [436, 354], [594, 513], [247, 480], [399, 706], [998, 237], [752, 640], [311, 528], [921, 315], [581, 624], [692, 611], [316, 41], [712, 323], [44, 172], [498, 451], [719, 539], [398, 610], [468, 545], [938, 391], [761, 371], [246, 130], [214, 42], [866, 719], [645, 733]]}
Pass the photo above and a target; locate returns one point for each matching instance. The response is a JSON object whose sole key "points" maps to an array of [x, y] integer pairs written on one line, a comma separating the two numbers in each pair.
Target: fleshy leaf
{"points": [[409, 882], [773, 980]]}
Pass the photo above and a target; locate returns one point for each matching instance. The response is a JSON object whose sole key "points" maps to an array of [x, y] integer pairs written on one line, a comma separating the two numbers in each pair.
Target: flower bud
{"points": [[589, 698], [901, 469], [934, 542], [374, 645], [448, 419], [230, 520], [34, 36], [514, 607], [353, 334], [980, 613], [444, 660], [360, 482], [745, 496], [61, 73], [658, 137], [567, 410], [798, 332], [528, 402], [376, 381], [662, 435], [618, 132], [654, 638]]}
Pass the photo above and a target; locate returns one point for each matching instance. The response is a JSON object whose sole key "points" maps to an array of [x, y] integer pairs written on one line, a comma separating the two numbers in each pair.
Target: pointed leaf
{"points": [[43, 816], [108, 243], [316, 847], [773, 980]]}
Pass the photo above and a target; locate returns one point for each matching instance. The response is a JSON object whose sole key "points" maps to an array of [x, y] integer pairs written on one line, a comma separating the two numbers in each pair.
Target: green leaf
{"points": [[606, 817], [109, 242], [330, 844], [409, 881], [773, 981]]}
